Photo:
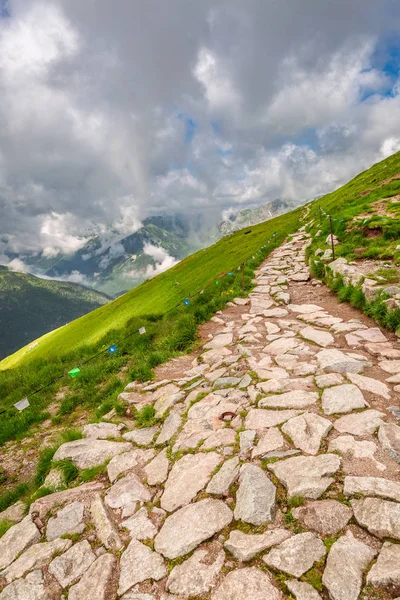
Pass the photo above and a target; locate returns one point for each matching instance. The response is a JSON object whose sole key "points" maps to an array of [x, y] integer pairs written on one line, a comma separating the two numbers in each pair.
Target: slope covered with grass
{"points": [[30, 307]]}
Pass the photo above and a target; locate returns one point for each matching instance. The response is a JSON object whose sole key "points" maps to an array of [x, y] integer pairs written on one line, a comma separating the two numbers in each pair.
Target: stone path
{"points": [[274, 472]]}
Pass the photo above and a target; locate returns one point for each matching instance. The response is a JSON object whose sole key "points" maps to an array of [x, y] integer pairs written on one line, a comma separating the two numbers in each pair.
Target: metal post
{"points": [[320, 215], [333, 245], [242, 279]]}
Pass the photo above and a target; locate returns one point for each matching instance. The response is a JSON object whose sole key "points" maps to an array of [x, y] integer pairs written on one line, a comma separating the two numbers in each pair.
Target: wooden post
{"points": [[320, 215], [242, 279], [333, 245]]}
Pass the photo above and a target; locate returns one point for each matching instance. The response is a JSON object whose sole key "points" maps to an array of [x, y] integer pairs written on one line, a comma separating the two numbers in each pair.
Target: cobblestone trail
{"points": [[274, 474]]}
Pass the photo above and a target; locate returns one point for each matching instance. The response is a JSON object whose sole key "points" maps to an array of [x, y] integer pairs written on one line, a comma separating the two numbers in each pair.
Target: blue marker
{"points": [[112, 349], [186, 302]]}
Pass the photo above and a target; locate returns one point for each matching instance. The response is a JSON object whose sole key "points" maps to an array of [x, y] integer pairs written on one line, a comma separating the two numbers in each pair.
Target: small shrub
{"points": [[44, 464], [70, 435], [146, 417], [4, 526], [68, 469]]}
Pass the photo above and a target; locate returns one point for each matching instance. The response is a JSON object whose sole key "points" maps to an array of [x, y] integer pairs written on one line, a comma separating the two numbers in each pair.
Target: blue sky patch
{"points": [[4, 9], [190, 127]]}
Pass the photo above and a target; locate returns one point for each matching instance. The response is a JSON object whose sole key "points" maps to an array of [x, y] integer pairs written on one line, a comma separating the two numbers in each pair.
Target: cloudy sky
{"points": [[113, 111]]}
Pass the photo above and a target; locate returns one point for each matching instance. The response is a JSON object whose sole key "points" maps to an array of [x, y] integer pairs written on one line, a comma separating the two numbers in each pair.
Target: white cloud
{"points": [[162, 259]]}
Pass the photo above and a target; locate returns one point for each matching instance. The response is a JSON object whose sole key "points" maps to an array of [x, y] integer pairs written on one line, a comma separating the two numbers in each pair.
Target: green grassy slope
{"points": [[30, 306], [158, 295]]}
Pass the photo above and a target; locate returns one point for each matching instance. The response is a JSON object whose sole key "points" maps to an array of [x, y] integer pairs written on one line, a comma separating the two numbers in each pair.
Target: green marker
{"points": [[74, 372]]}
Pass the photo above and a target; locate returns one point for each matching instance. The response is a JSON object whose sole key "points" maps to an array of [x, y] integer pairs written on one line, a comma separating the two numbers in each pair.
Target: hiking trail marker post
{"points": [[243, 279], [333, 245]]}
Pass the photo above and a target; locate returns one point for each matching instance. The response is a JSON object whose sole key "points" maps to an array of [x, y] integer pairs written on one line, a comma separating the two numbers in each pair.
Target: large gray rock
{"points": [[97, 580], [346, 562], [302, 590], [14, 513], [372, 486], [185, 529], [255, 498], [294, 399], [335, 361], [125, 492], [105, 528], [307, 431], [219, 341], [139, 563], [260, 419], [197, 575], [342, 399], [88, 453], [389, 437], [246, 441], [16, 540], [157, 470], [246, 546], [326, 517], [127, 461], [187, 477], [250, 583], [36, 557], [70, 567], [297, 554], [362, 423], [68, 520], [306, 476], [386, 571], [347, 444], [30, 588], [380, 517], [224, 478], [390, 366], [140, 526], [84, 493]]}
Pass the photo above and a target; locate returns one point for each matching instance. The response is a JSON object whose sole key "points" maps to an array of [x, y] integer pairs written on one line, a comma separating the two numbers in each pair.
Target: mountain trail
{"points": [[272, 470]]}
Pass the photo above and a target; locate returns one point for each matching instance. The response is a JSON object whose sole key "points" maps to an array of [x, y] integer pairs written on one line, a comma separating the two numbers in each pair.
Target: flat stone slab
{"points": [[296, 555], [390, 366], [321, 338], [389, 437], [127, 491], [347, 560], [36, 557], [370, 385], [14, 513], [342, 399], [336, 361], [362, 423], [137, 564], [305, 309], [84, 492], [347, 444], [224, 478], [186, 528], [140, 526], [245, 546], [385, 573], [105, 528], [307, 476], [294, 399], [97, 580], [307, 431], [68, 520], [282, 345], [187, 477], [127, 461], [326, 517], [372, 486], [271, 440], [380, 517], [141, 437], [259, 419], [69, 567], [88, 453], [328, 380], [197, 575], [169, 428], [302, 590], [222, 437], [102, 431], [255, 498], [30, 588], [249, 582], [16, 540], [219, 341], [157, 470]]}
